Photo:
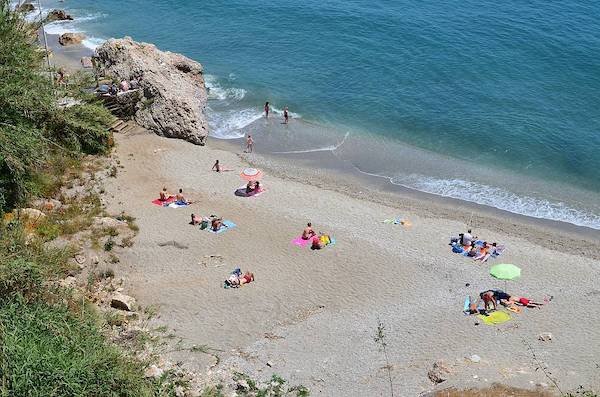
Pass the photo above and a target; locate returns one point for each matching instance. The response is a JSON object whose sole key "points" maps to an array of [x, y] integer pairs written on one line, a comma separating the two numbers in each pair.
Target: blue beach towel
{"points": [[226, 226]]}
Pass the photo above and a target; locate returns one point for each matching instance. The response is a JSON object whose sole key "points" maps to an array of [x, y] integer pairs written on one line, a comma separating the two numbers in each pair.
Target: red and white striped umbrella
{"points": [[251, 174]]}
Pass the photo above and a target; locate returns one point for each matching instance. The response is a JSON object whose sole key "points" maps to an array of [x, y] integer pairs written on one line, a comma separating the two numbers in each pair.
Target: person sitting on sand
{"points": [[466, 238], [180, 198], [196, 220], [250, 186], [164, 195], [308, 232], [216, 224], [217, 167], [256, 187]]}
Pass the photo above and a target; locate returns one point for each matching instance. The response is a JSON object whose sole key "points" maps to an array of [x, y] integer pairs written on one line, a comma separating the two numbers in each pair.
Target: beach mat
{"points": [[241, 192], [226, 226], [163, 203], [495, 318], [300, 242], [178, 204]]}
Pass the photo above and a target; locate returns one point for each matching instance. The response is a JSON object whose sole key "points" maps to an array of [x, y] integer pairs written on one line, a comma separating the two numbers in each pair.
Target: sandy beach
{"points": [[311, 316]]}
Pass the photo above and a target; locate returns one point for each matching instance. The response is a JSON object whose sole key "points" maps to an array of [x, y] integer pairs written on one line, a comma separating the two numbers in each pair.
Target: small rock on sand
{"points": [[70, 38], [122, 302], [153, 372], [439, 372]]}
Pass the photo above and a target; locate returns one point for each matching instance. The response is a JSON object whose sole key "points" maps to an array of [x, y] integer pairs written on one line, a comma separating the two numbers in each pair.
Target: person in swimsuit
{"points": [[180, 198], [164, 195], [483, 252], [249, 144], [217, 166], [256, 187], [519, 300], [196, 220], [216, 224], [308, 232], [267, 109], [246, 278], [250, 186], [285, 115], [316, 243]]}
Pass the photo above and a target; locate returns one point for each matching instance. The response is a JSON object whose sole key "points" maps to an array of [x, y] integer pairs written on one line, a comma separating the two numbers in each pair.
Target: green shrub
{"points": [[19, 278], [47, 350], [33, 129]]}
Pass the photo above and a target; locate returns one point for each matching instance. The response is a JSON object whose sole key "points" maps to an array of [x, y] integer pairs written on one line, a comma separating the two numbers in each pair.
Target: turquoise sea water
{"points": [[492, 102]]}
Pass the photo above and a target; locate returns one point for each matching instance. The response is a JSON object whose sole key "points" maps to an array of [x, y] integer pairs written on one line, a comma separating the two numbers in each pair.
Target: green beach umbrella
{"points": [[505, 271]]}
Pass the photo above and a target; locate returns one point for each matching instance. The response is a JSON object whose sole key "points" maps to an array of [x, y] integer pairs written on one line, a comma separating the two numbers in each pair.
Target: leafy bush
{"points": [[33, 129], [19, 278], [47, 350]]}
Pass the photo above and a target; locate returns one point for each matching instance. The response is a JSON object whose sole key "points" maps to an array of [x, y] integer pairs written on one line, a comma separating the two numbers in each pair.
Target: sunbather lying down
{"points": [[492, 297], [236, 279]]}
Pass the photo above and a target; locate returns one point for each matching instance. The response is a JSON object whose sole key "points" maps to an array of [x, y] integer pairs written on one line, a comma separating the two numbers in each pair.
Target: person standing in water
{"points": [[285, 115], [267, 109], [249, 144]]}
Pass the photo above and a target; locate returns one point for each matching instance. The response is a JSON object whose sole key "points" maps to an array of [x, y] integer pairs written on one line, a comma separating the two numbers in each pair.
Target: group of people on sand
{"points": [[491, 298], [215, 222], [253, 187], [318, 241], [267, 109], [471, 246], [165, 196]]}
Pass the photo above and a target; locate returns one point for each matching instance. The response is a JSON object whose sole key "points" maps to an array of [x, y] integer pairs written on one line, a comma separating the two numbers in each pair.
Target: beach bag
{"points": [[203, 225], [457, 249], [325, 239]]}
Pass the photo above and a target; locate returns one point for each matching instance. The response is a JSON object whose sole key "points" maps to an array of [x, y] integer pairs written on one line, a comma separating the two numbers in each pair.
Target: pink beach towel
{"points": [[300, 242], [162, 203]]}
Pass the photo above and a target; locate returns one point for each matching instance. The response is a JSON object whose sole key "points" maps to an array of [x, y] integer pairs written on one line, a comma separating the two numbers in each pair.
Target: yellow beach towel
{"points": [[495, 318]]}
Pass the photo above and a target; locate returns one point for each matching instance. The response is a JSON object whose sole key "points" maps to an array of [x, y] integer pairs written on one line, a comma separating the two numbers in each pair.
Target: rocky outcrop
{"points": [[173, 96], [58, 15], [26, 8], [71, 38]]}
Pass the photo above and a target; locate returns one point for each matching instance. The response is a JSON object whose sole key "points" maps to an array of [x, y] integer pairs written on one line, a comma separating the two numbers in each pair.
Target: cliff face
{"points": [[173, 97]]}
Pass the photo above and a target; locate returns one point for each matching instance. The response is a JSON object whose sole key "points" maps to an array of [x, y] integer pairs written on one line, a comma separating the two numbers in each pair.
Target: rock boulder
{"points": [[173, 95], [71, 38], [58, 15], [26, 7], [122, 302]]}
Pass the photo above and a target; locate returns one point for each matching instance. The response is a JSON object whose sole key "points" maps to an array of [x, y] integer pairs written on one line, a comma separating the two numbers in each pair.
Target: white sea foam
{"points": [[280, 112], [218, 92], [329, 148], [61, 27], [496, 197], [229, 124]]}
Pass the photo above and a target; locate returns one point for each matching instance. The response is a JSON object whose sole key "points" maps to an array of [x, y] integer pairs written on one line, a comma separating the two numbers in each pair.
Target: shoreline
{"points": [[70, 56], [379, 189], [329, 173]]}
